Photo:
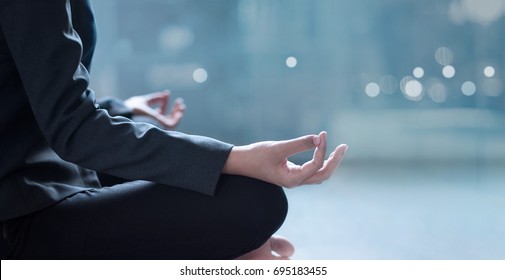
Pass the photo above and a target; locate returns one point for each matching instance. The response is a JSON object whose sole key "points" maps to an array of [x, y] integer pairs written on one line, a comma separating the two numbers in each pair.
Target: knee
{"points": [[273, 204], [251, 212], [262, 205]]}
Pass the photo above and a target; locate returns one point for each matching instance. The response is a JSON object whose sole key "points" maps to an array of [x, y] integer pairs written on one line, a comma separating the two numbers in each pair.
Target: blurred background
{"points": [[415, 88]]}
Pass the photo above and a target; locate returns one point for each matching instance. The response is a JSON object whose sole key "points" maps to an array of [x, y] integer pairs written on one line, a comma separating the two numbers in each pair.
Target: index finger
{"points": [[160, 98], [309, 168], [298, 145]]}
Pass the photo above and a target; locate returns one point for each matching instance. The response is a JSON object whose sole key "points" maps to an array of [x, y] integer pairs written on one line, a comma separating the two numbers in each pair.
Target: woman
{"points": [[185, 197]]}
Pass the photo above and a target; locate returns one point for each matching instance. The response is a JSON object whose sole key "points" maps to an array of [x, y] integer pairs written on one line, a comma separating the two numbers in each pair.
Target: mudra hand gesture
{"points": [[268, 161], [155, 106]]}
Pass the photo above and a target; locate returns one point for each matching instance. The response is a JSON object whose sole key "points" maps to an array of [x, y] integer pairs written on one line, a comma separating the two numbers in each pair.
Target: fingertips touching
{"points": [[320, 138]]}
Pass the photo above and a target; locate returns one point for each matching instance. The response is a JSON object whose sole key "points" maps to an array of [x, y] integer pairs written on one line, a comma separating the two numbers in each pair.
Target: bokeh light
{"points": [[388, 84], [444, 56], [483, 12], [404, 81], [200, 75], [491, 86], [468, 88], [175, 38], [437, 92], [418, 72], [449, 71], [291, 62], [489, 71], [372, 89], [412, 89]]}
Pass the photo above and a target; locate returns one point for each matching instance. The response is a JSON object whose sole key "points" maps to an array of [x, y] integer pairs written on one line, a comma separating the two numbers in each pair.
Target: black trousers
{"points": [[144, 220]]}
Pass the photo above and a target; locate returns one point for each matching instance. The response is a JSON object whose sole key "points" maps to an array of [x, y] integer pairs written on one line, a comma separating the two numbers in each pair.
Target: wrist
{"points": [[234, 165]]}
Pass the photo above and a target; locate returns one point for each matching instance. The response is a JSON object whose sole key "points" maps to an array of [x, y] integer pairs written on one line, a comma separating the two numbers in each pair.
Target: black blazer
{"points": [[52, 131]]}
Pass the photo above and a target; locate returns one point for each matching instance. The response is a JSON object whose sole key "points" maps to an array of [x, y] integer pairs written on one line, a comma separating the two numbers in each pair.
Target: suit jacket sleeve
{"points": [[114, 106], [47, 52]]}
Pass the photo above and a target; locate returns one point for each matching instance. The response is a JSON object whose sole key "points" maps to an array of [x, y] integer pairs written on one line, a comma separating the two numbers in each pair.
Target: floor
{"points": [[401, 211]]}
